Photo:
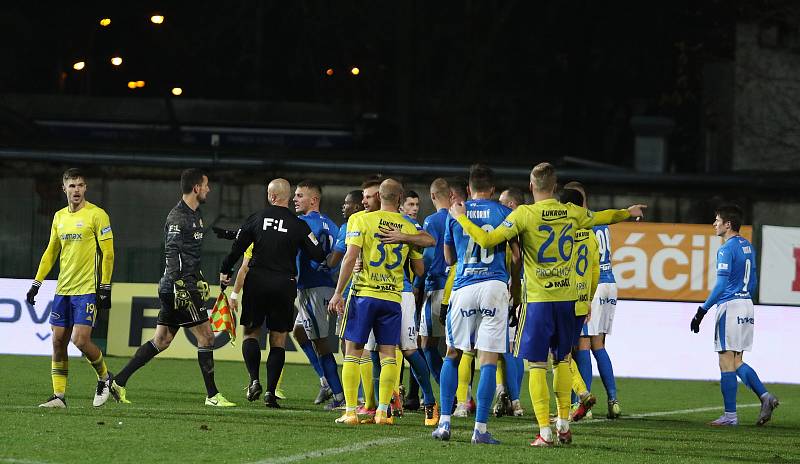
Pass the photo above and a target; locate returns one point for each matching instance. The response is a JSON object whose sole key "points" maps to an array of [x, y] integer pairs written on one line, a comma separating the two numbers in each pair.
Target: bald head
{"points": [[391, 192], [278, 192]]}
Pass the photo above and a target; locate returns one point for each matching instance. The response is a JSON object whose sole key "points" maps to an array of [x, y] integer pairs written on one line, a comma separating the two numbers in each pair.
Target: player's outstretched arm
{"points": [[107, 269], [421, 239], [481, 237]]}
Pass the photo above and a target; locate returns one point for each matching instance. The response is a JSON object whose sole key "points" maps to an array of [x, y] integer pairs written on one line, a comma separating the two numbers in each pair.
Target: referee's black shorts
{"points": [[268, 297]]}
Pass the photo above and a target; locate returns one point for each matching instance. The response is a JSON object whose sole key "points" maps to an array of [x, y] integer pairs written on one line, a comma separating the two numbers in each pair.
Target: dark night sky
{"points": [[562, 76]]}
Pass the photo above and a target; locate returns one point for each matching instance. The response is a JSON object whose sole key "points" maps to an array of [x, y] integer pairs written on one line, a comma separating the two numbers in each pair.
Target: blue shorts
{"points": [[69, 310], [548, 326], [382, 317]]}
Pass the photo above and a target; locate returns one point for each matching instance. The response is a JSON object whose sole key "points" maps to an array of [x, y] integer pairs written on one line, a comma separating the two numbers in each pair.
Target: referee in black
{"points": [[270, 286]]}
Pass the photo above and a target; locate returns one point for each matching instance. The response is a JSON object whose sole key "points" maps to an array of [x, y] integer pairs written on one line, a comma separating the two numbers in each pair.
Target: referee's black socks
{"points": [[275, 362], [205, 357], [251, 353]]}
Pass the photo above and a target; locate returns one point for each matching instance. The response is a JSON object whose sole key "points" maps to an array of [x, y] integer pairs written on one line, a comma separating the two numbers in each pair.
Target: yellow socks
{"points": [[578, 385], [99, 366], [500, 376], [386, 386], [464, 376], [398, 359], [540, 395], [365, 364], [58, 371], [351, 374], [562, 387]]}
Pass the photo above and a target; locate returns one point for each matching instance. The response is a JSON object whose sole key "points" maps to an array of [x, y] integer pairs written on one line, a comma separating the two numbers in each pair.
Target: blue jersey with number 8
{"points": [[736, 266], [476, 264]]}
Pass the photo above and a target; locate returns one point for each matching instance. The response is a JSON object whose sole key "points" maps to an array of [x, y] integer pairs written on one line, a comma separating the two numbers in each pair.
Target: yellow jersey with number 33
{"points": [[381, 275], [547, 232]]}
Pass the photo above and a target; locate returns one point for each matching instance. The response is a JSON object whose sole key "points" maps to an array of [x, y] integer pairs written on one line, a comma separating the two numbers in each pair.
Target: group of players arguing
{"points": [[506, 281]]}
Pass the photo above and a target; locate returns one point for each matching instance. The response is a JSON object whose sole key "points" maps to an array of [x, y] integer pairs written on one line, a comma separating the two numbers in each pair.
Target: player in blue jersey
{"points": [[595, 330], [733, 329], [477, 317], [430, 328], [315, 287]]}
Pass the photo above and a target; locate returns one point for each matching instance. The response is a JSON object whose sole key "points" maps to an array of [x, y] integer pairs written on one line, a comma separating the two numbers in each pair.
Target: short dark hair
{"points": [[516, 194], [729, 212], [373, 181], [481, 178], [358, 195], [311, 185], [190, 178], [411, 194], [72, 173], [458, 186], [570, 195]]}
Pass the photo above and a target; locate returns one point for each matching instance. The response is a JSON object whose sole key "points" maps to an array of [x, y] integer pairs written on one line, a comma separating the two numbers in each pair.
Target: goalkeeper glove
{"points": [[698, 317], [224, 233], [32, 292], [104, 296], [203, 289], [443, 313], [183, 299], [513, 319]]}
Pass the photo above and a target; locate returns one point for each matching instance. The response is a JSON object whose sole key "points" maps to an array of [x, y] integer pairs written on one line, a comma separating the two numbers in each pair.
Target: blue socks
{"points": [[486, 386], [511, 376], [520, 371], [750, 379], [728, 386], [434, 360], [447, 386], [606, 373], [584, 361], [420, 370], [308, 349], [331, 373]]}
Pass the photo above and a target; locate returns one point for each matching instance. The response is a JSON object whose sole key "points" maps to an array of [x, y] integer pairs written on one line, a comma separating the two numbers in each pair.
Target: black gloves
{"points": [[224, 233], [513, 318], [32, 292], [443, 314], [183, 299], [104, 296], [698, 317]]}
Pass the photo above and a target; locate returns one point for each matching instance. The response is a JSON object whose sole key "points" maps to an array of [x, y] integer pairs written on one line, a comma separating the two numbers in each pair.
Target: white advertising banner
{"points": [[651, 339], [25, 329], [780, 265]]}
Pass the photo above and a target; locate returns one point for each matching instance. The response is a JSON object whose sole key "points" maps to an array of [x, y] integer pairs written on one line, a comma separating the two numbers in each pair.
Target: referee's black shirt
{"points": [[277, 235]]}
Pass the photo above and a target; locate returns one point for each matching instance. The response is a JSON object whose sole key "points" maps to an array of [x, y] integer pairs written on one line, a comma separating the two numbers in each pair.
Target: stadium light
{"points": [[131, 84], [139, 84], [157, 19], [355, 71], [329, 72], [177, 91], [116, 61], [79, 65], [105, 22]]}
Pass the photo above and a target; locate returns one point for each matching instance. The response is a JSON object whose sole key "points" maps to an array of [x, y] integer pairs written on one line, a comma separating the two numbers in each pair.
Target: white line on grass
{"points": [[649, 414], [330, 451], [20, 461]]}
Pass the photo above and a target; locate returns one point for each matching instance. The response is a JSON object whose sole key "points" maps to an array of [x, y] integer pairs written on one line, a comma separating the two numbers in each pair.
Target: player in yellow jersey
{"points": [[375, 296], [547, 231], [587, 274], [82, 242]]}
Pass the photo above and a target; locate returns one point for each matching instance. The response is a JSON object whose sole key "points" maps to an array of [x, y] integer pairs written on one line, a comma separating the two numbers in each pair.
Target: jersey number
{"points": [[603, 243], [473, 251], [396, 250], [564, 239], [583, 260], [746, 279]]}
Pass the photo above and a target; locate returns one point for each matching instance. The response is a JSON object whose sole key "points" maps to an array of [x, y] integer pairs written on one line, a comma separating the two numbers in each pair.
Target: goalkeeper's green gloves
{"points": [[183, 299]]}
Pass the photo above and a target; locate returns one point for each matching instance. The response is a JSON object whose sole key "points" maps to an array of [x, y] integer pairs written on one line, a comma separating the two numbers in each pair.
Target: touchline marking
{"points": [[20, 461], [330, 451], [644, 415]]}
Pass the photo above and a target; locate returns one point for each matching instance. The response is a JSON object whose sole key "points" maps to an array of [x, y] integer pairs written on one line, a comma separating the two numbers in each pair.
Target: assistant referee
{"points": [[270, 286]]}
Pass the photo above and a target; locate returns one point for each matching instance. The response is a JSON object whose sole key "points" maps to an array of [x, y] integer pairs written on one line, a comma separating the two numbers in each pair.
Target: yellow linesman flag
{"points": [[222, 318]]}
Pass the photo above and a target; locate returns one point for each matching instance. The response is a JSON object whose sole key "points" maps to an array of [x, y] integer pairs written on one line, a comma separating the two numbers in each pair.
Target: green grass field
{"points": [[664, 421]]}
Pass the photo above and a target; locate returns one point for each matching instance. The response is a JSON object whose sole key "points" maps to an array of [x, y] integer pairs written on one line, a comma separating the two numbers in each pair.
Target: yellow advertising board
{"points": [[133, 317], [660, 261]]}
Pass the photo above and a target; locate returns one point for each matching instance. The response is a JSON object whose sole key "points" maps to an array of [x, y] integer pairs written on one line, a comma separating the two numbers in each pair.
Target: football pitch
{"points": [[663, 421]]}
